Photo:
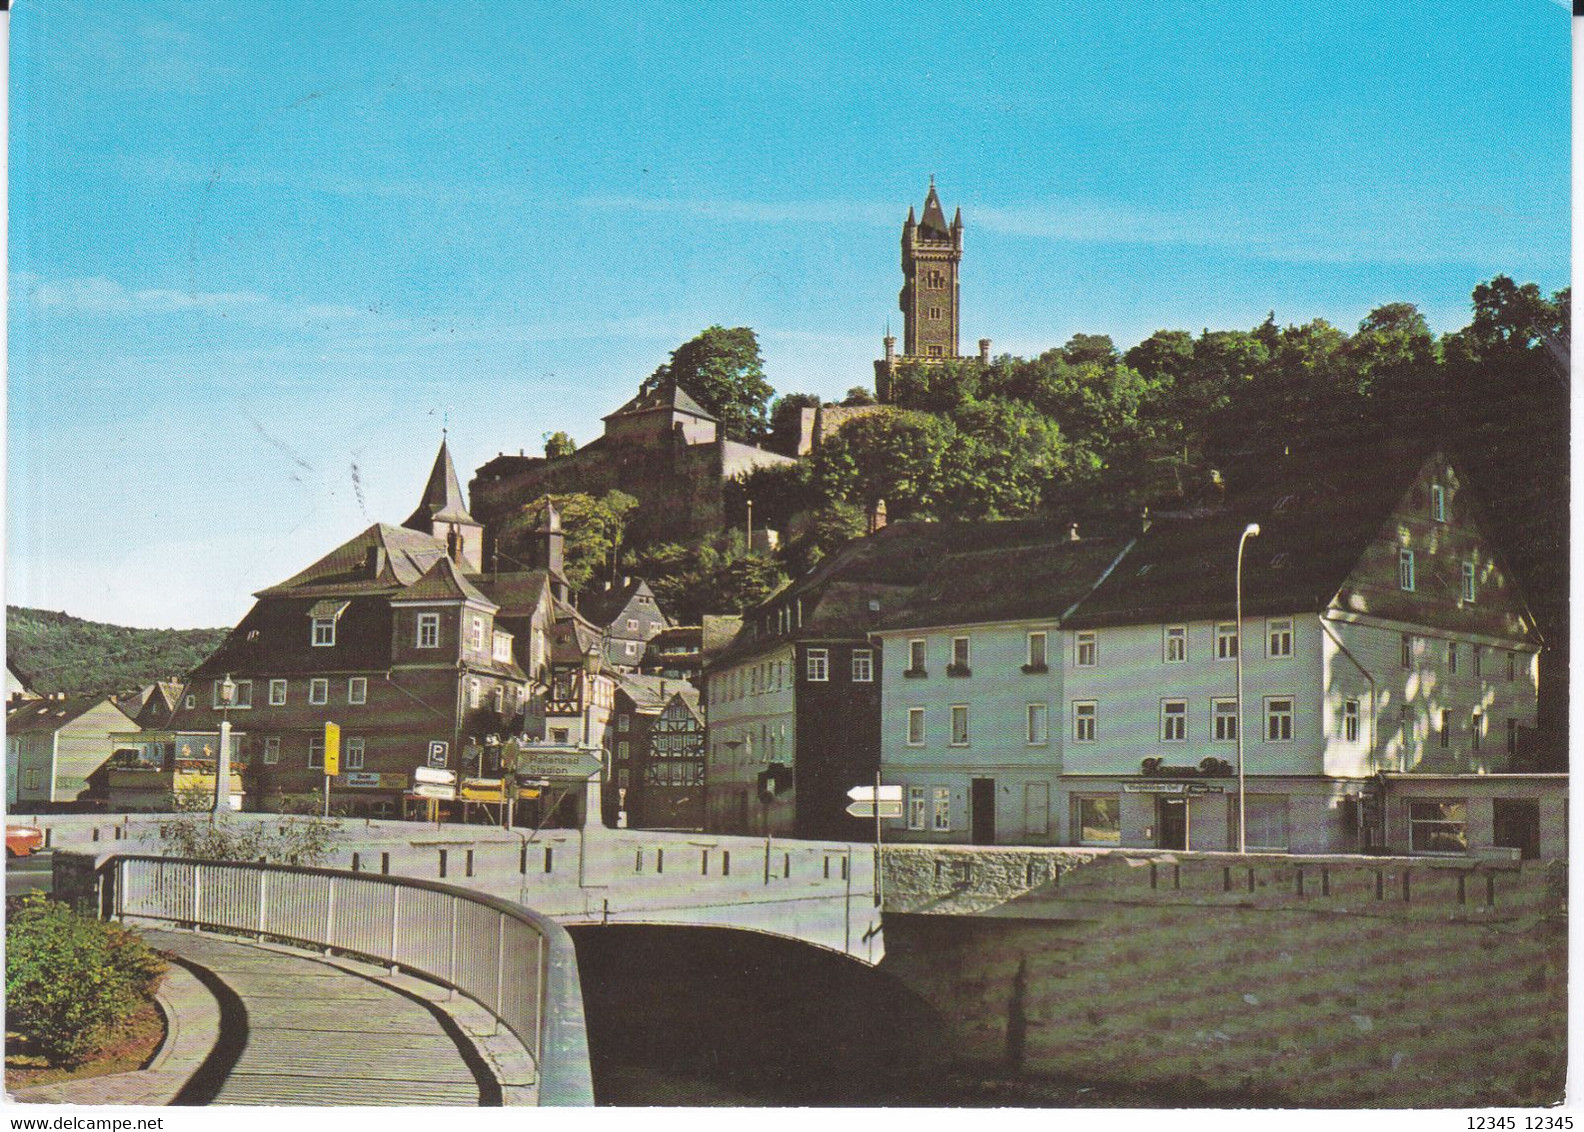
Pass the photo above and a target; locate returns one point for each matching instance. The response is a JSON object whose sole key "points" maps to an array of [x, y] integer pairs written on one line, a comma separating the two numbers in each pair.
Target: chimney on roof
{"points": [[877, 516], [984, 351], [1072, 532]]}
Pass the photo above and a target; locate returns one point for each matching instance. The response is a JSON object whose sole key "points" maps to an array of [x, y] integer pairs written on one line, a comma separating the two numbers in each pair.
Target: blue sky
{"points": [[260, 253]]}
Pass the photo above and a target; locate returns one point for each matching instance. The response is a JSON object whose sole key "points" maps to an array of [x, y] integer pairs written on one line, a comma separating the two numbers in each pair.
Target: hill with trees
{"points": [[56, 652]]}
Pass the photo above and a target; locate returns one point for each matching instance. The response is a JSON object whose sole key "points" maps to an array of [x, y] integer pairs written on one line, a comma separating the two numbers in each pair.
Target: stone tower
{"points": [[931, 317]]}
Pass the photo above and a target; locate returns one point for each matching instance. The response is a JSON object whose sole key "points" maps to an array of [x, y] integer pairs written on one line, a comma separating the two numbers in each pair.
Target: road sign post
{"points": [[332, 759], [878, 802]]}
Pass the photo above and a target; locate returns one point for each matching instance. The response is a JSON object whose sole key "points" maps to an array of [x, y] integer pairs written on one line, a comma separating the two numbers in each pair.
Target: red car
{"points": [[22, 840]]}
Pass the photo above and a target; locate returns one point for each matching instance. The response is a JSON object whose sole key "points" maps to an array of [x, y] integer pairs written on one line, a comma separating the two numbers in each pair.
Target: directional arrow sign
{"points": [[867, 794], [866, 808], [434, 775], [432, 790]]}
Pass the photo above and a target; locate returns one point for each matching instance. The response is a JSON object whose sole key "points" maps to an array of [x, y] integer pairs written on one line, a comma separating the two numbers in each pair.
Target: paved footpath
{"points": [[316, 1034]]}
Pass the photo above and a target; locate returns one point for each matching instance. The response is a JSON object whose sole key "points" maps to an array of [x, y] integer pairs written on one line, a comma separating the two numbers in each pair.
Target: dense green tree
{"points": [[858, 395], [60, 653], [594, 532], [559, 444], [936, 387], [786, 417], [723, 371], [999, 462], [892, 456], [719, 575]]}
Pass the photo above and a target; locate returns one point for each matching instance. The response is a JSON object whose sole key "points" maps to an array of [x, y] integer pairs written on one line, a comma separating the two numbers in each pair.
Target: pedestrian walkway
{"points": [[313, 1033]]}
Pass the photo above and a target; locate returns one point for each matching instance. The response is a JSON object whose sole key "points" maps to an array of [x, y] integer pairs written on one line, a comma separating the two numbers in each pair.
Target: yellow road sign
{"points": [[332, 749]]}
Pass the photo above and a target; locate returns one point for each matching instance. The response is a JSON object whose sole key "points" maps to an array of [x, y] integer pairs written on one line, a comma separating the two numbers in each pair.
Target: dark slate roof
{"points": [[933, 224], [669, 396], [1028, 570], [1317, 512], [345, 570], [649, 694], [516, 594], [31, 716], [716, 633], [444, 582], [442, 498], [274, 637], [573, 636], [605, 606]]}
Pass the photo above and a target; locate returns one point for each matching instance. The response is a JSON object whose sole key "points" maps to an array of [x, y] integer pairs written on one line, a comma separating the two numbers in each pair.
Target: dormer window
{"points": [[428, 630], [324, 616], [476, 639], [503, 647], [1405, 570]]}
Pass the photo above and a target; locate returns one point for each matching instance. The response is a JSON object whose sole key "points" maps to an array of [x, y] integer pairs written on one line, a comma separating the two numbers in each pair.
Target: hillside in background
{"points": [[56, 652]]}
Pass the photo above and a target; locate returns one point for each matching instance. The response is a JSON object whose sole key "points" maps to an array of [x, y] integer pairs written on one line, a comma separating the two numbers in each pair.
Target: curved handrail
{"points": [[464, 940]]}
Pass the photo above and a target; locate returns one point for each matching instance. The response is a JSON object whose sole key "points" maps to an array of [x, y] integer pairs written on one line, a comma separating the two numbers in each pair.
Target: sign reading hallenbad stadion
{"points": [[555, 762], [1177, 788]]}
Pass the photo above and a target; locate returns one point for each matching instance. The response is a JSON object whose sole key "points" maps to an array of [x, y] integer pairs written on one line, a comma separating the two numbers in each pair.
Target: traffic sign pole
{"points": [[879, 881]]}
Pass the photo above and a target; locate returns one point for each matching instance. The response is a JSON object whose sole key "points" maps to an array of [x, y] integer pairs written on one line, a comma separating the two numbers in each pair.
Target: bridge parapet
{"points": [[1072, 883]]}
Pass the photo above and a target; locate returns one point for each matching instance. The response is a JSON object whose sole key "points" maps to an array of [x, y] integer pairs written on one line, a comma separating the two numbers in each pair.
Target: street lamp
{"points": [[222, 798], [1251, 530]]}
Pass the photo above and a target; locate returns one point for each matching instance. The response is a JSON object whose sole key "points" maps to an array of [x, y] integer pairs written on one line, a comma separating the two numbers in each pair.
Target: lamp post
{"points": [[1251, 530], [222, 798]]}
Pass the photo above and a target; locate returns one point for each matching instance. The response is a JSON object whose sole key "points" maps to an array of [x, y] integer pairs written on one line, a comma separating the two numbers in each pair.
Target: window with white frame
{"points": [[1350, 720], [1405, 569], [632, 623], [353, 755], [1279, 637], [1097, 819], [241, 694], [1452, 657], [316, 752], [915, 727], [499, 699], [916, 653], [277, 693], [1036, 651], [1174, 648], [960, 654], [1224, 721], [942, 816], [1468, 583], [1038, 725], [1084, 712], [188, 702], [818, 666], [959, 725], [1278, 719], [1174, 721], [1477, 731], [474, 691], [1405, 650], [1438, 503], [357, 690], [1085, 650], [863, 666], [272, 750], [428, 630], [1226, 640], [319, 690], [916, 807], [501, 647], [324, 632], [476, 635], [1438, 827]]}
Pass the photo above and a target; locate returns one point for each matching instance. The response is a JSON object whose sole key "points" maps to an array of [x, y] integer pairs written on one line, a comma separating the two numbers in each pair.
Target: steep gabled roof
{"points": [[345, 570], [442, 498], [444, 582], [606, 607], [1317, 512], [668, 395], [649, 694], [516, 594]]}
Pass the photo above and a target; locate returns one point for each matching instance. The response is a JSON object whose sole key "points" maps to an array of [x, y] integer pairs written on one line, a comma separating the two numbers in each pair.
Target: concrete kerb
{"points": [[192, 1028]]}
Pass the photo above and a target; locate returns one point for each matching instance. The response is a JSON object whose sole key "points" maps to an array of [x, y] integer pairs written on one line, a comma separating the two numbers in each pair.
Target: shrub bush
{"points": [[71, 979]]}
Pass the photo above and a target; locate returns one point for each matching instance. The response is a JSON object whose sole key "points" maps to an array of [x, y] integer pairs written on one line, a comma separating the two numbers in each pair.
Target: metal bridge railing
{"points": [[517, 964]]}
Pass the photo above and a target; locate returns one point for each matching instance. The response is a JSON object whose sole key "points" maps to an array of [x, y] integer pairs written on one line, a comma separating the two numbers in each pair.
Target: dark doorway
{"points": [[1517, 826], [984, 807], [1171, 820]]}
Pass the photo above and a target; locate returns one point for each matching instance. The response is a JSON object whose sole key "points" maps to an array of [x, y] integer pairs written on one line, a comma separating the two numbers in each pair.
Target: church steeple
{"points": [[443, 513]]}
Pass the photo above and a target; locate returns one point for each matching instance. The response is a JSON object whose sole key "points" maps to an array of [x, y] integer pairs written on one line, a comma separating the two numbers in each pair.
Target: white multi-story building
{"points": [[1390, 673]]}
